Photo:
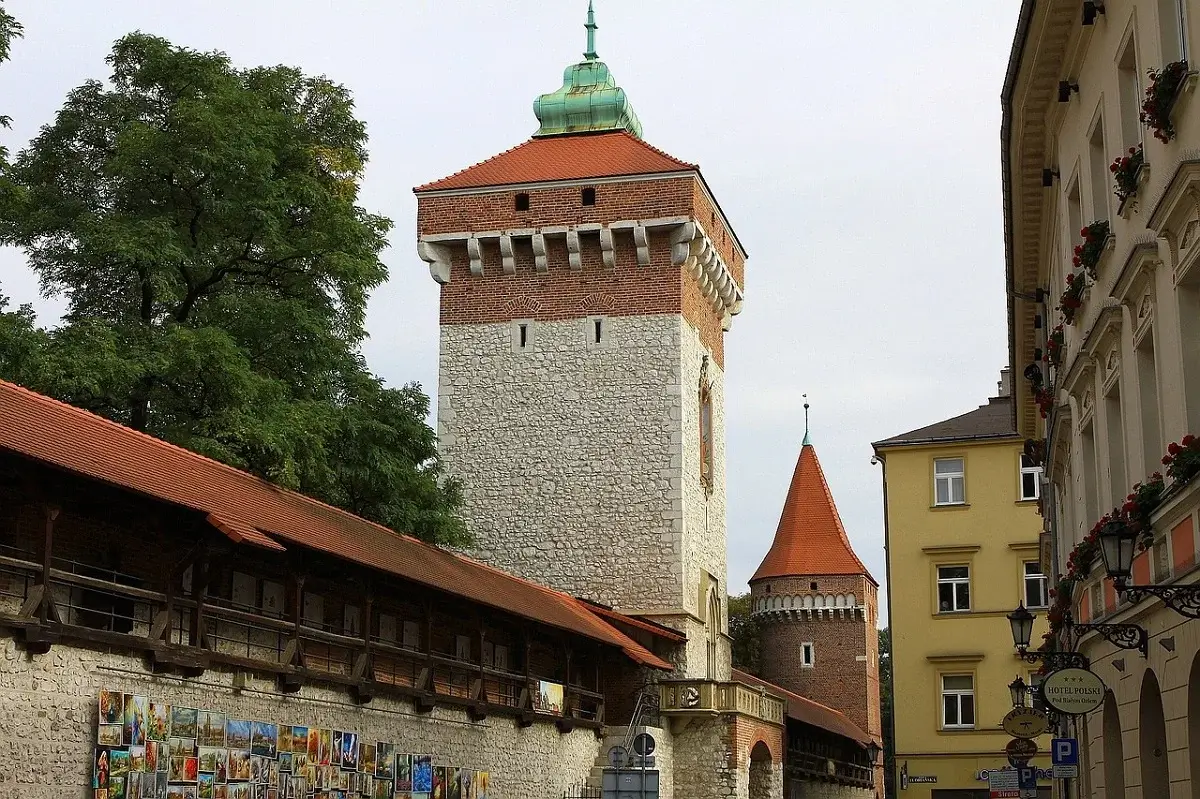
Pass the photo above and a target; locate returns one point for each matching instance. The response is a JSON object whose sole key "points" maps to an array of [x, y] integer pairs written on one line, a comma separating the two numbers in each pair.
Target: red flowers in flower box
{"points": [[1164, 88], [1125, 172], [1072, 298], [1183, 459]]}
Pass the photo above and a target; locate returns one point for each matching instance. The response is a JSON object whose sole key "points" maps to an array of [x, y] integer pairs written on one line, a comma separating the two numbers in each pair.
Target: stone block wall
{"points": [[48, 729], [581, 464]]}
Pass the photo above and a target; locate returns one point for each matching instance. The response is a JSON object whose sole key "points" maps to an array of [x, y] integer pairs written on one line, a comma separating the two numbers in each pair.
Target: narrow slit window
{"points": [[522, 202], [523, 333], [589, 196], [597, 330]]}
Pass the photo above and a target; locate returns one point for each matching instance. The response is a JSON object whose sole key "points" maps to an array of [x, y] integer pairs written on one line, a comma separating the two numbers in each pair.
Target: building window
{"points": [[954, 588], [1100, 176], [1130, 94], [958, 702], [1172, 29], [806, 655], [522, 202], [522, 335], [1147, 384], [1036, 595], [706, 428], [1031, 478], [589, 197], [1118, 484], [949, 480]]}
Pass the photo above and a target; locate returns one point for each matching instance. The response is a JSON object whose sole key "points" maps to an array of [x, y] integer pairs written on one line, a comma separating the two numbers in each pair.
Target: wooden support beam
{"points": [[200, 565], [46, 608]]}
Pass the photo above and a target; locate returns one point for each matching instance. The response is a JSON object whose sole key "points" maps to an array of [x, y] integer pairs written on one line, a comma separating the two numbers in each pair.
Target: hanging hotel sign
{"points": [[1025, 722], [1073, 692]]}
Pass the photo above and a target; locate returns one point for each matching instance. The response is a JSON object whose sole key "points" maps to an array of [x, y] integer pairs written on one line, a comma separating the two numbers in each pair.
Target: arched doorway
{"points": [[1114, 752], [762, 773], [1194, 726], [1152, 740]]}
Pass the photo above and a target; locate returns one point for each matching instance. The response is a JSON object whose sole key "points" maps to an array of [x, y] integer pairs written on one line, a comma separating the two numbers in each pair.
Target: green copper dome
{"points": [[589, 99]]}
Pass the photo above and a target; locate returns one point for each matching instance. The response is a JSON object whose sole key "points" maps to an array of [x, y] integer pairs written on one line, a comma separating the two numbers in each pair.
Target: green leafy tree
{"points": [[202, 222], [887, 708], [745, 630]]}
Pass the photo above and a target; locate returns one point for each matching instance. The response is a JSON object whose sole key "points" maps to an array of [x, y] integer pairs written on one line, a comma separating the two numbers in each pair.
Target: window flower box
{"points": [[1167, 87], [1096, 241], [1183, 459], [1072, 298], [1055, 347], [1130, 173]]}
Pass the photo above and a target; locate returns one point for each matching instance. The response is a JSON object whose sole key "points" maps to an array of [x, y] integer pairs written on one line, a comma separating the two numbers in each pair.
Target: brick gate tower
{"points": [[816, 603], [587, 282]]}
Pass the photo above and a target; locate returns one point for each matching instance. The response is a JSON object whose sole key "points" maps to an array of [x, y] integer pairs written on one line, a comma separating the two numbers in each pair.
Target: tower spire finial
{"points": [[807, 440], [591, 26]]}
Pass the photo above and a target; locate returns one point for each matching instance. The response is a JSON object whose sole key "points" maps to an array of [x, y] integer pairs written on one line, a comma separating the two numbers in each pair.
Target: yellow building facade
{"points": [[962, 550]]}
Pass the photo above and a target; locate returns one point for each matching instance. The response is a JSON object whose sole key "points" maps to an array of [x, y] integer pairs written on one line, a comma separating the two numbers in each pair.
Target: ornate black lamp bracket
{"points": [[1183, 599], [1055, 661], [1122, 636]]}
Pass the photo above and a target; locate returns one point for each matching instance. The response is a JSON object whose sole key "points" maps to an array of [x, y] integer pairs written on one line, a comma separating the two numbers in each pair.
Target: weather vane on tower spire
{"points": [[807, 440], [591, 26]]}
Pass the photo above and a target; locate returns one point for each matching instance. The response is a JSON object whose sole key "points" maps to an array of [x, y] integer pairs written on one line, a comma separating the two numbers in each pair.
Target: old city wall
{"points": [[48, 728]]}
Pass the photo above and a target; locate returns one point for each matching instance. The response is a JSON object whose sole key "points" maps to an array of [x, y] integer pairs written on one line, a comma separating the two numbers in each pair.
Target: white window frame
{"points": [[808, 655], [954, 582], [959, 694], [1030, 469], [948, 478], [1028, 577]]}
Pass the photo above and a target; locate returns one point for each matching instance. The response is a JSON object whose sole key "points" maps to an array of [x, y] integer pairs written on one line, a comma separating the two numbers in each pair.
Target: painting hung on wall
{"points": [[548, 698], [151, 750], [158, 722]]}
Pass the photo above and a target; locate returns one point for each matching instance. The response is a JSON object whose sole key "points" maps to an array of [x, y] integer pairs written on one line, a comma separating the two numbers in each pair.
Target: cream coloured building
{"points": [[1105, 396]]}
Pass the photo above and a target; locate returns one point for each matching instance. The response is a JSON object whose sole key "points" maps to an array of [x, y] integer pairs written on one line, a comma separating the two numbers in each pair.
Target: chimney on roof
{"points": [[1005, 385]]}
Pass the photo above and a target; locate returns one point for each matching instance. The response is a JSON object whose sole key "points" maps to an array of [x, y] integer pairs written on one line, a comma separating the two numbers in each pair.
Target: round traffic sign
{"points": [[643, 744], [618, 757]]}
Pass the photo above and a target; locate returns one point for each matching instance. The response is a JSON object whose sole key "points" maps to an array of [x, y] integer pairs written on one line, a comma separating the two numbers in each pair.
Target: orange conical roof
{"points": [[810, 539]]}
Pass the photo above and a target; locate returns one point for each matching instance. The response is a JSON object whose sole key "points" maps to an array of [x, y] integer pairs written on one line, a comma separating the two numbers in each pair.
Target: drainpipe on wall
{"points": [[887, 560]]}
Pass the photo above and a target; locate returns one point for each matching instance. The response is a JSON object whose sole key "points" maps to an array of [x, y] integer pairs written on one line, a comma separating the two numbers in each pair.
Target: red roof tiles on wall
{"points": [[54, 433], [578, 157], [806, 710], [810, 539]]}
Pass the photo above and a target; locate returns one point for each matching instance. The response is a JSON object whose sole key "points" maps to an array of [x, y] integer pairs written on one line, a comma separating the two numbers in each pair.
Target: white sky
{"points": [[853, 145]]}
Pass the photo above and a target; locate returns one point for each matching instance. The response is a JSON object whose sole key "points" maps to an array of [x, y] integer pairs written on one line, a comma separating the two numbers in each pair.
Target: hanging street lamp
{"points": [[1118, 543]]}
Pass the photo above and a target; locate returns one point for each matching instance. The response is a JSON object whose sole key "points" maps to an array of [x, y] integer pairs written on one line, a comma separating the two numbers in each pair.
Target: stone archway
{"points": [[1114, 751], [763, 773], [1194, 726], [1152, 739]]}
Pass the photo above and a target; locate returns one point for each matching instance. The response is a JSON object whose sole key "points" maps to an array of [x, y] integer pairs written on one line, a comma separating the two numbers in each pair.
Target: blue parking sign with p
{"points": [[1064, 752], [1027, 778]]}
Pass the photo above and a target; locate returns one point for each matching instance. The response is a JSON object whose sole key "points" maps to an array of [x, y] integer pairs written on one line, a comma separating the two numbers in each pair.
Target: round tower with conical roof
{"points": [[816, 603]]}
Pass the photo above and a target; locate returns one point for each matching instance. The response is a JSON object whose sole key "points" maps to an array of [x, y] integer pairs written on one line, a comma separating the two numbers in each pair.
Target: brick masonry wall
{"points": [[845, 671], [48, 729]]}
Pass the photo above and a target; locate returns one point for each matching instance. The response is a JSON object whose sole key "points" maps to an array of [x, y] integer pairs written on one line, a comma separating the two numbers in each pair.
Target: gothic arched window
{"points": [[706, 429]]}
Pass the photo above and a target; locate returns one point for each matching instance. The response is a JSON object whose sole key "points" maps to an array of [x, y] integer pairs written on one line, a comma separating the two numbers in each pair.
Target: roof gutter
{"points": [[1024, 22], [943, 440]]}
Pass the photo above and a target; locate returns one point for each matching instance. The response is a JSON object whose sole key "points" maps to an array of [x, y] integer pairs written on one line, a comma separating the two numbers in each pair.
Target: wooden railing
{"points": [[194, 632], [809, 767]]}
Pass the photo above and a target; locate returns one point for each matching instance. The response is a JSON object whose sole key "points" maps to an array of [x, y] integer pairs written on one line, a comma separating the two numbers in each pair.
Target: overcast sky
{"points": [[853, 145]]}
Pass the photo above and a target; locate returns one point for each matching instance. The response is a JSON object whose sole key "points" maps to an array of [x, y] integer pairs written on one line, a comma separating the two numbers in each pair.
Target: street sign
{"points": [[1025, 722], [1027, 778], [643, 744], [1064, 752], [1073, 692], [1020, 750], [618, 757], [1003, 784], [1065, 772], [926, 778]]}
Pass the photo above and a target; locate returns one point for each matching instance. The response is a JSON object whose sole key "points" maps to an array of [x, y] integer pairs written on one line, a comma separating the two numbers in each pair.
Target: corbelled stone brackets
{"points": [[691, 248]]}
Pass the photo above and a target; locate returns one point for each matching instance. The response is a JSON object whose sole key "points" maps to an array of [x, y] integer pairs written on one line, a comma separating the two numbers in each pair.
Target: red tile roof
{"points": [[810, 539], [243, 505], [576, 157], [806, 710]]}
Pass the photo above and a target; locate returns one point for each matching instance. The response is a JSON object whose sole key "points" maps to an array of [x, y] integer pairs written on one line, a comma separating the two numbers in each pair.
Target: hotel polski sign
{"points": [[1073, 692]]}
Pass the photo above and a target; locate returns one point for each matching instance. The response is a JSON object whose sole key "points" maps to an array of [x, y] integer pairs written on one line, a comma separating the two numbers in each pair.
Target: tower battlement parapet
{"points": [[691, 248]]}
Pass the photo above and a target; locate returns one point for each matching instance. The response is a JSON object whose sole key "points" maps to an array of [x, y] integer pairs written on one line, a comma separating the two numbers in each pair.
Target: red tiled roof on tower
{"points": [[810, 539], [575, 157]]}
